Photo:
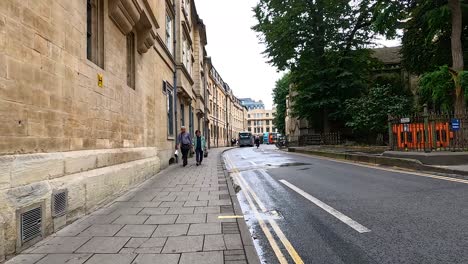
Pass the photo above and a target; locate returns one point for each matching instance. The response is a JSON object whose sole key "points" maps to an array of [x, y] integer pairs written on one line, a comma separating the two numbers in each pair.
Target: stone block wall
{"points": [[59, 129], [91, 177], [49, 95]]}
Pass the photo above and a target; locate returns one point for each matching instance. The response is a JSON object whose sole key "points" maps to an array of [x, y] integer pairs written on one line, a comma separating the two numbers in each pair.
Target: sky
{"points": [[235, 49]]}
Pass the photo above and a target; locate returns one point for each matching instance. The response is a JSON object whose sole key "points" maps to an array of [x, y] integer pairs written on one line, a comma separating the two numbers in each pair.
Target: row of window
{"points": [[258, 123], [257, 115], [260, 130]]}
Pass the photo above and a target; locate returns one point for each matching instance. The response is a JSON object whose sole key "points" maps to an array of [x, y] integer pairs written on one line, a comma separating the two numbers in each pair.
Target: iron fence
{"points": [[429, 132], [320, 139]]}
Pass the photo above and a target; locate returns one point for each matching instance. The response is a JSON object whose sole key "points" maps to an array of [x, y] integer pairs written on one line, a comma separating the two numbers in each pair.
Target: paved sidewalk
{"points": [[172, 218]]}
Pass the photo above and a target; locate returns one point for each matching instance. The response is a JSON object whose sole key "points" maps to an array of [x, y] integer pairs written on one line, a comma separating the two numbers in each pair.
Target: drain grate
{"points": [[59, 203], [31, 224]]}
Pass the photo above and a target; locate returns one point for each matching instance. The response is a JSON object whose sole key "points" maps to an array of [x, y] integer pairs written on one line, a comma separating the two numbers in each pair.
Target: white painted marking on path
{"points": [[343, 218]]}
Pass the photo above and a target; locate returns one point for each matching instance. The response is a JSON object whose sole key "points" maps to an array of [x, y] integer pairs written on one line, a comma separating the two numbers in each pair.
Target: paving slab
{"points": [[127, 211], [111, 259], [131, 219], [161, 219], [214, 242], [73, 229], [171, 230], [57, 245], [215, 257], [219, 202], [191, 219], [208, 210], [183, 244], [157, 259], [204, 229], [101, 230], [147, 204], [25, 259], [104, 245], [154, 211], [181, 210], [172, 204], [64, 258], [136, 231], [195, 203]]}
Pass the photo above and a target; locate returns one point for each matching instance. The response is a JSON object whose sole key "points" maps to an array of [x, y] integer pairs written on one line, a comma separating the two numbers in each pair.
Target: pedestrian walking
{"points": [[200, 146], [184, 140]]}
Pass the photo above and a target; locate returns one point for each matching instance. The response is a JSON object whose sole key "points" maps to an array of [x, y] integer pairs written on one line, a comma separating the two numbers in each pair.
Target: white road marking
{"points": [[343, 218]]}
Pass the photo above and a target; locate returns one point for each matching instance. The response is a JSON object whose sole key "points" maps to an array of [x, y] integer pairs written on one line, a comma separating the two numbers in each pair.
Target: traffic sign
{"points": [[405, 120], [455, 124]]}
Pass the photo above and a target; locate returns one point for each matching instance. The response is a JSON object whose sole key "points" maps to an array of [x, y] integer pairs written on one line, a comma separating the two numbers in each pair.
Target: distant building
{"points": [[252, 104], [260, 121]]}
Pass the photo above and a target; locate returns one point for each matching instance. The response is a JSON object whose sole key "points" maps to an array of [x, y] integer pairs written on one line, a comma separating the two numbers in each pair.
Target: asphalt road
{"points": [[302, 209]]}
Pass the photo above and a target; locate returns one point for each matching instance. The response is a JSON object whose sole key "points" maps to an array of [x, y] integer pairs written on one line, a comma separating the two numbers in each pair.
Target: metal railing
{"points": [[429, 132], [319, 139]]}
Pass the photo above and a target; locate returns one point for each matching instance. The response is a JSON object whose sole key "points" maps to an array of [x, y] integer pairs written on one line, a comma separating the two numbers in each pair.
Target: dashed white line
{"points": [[343, 218]]}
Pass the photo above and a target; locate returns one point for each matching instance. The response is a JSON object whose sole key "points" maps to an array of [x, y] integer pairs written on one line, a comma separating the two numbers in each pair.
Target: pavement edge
{"points": [[247, 240]]}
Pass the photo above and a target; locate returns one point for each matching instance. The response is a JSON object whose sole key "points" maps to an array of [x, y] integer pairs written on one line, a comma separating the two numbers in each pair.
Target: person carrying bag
{"points": [[200, 147]]}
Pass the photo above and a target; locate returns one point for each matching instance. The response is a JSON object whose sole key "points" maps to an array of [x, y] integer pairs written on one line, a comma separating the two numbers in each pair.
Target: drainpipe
{"points": [[205, 93], [227, 121], [175, 68], [217, 119]]}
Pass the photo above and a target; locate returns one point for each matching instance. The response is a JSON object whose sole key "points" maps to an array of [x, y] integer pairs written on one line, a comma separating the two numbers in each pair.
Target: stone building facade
{"points": [[92, 93], [260, 121], [227, 117]]}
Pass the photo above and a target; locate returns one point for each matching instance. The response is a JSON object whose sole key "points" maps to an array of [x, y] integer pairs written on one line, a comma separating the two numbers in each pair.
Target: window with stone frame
{"points": [[185, 54], [131, 60], [169, 32], [182, 114], [170, 108], [95, 31], [186, 5]]}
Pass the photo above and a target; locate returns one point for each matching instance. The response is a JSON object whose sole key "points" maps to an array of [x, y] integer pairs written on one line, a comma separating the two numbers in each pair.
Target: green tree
{"points": [[368, 114], [434, 37], [322, 44], [280, 92]]}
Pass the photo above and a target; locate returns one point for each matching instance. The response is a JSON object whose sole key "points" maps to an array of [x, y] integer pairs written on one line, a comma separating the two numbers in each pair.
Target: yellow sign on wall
{"points": [[100, 80]]}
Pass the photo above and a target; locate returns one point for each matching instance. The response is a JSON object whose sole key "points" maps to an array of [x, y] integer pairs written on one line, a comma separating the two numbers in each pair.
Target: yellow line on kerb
{"points": [[247, 190]]}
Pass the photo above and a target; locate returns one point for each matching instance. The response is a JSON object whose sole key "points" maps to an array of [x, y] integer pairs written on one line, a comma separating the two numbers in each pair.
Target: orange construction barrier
{"points": [[411, 136]]}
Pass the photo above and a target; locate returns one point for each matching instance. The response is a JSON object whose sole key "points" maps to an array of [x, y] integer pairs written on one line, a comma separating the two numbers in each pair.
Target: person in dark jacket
{"points": [[184, 140], [200, 146]]}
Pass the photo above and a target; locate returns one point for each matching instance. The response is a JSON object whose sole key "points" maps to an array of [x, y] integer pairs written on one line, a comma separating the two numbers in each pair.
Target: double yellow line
{"points": [[277, 230]]}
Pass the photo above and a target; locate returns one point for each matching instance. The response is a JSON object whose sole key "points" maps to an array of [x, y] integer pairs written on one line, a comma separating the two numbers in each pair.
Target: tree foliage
{"points": [[369, 114], [280, 92], [321, 43]]}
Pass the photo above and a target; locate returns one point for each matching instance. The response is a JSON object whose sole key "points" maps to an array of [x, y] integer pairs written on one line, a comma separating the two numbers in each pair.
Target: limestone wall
{"points": [[58, 128], [91, 177], [49, 94]]}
